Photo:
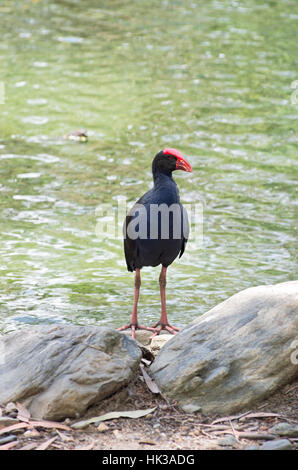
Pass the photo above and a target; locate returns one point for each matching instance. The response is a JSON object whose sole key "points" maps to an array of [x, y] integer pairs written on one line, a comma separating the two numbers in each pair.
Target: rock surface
{"points": [[144, 337], [158, 342], [285, 429], [278, 444], [58, 371], [235, 355]]}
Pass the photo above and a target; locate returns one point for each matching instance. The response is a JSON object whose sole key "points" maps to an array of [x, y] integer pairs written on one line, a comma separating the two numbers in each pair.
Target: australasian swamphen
{"points": [[156, 231]]}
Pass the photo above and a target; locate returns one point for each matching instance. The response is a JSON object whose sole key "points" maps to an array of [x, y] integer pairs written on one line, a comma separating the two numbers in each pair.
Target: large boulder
{"points": [[235, 355], [58, 371]]}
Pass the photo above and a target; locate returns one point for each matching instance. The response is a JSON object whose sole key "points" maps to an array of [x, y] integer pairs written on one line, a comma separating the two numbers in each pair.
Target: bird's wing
{"points": [[130, 245], [129, 249], [185, 230]]}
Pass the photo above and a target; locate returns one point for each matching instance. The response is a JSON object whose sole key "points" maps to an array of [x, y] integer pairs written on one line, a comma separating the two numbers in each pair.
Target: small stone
{"points": [[102, 427], [278, 444], [6, 439], [285, 429], [251, 447], [7, 421], [228, 441], [10, 408], [31, 433]]}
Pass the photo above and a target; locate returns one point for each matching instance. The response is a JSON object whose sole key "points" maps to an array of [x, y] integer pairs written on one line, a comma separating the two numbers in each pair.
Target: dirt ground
{"points": [[166, 428]]}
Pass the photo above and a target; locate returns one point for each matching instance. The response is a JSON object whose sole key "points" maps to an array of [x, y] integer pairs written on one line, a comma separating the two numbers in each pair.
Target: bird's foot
{"points": [[134, 327], [158, 327]]}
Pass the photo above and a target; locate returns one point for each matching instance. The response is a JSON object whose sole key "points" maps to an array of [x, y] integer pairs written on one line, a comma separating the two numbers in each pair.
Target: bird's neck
{"points": [[161, 178]]}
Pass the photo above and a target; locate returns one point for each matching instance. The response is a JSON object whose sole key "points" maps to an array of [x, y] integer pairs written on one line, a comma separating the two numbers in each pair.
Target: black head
{"points": [[169, 160]]}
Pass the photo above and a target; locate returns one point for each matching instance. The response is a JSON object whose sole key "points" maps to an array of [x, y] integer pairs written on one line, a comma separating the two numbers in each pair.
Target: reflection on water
{"points": [[212, 79]]}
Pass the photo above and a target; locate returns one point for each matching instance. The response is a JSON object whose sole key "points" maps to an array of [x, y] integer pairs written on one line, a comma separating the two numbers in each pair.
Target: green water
{"points": [[211, 78]]}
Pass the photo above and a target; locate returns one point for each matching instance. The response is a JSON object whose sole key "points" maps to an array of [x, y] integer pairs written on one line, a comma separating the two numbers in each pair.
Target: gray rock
{"points": [[58, 371], [6, 439], [141, 336], [227, 441], [235, 355], [252, 447], [7, 421], [158, 342], [285, 429], [278, 444]]}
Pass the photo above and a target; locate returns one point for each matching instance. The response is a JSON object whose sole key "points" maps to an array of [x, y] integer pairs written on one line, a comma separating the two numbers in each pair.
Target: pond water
{"points": [[214, 79]]}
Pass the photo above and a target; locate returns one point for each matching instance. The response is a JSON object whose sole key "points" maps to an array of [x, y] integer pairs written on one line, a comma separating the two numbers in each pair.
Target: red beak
{"points": [[182, 163]]}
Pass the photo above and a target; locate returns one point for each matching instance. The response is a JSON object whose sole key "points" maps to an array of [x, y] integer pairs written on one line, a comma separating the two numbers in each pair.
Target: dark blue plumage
{"points": [[141, 252], [152, 252], [156, 229]]}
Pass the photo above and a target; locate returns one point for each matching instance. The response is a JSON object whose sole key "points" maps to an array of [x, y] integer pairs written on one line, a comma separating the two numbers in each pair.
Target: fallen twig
{"points": [[9, 445], [229, 418], [260, 415], [256, 436], [234, 432], [46, 444], [14, 427], [49, 424], [291, 388]]}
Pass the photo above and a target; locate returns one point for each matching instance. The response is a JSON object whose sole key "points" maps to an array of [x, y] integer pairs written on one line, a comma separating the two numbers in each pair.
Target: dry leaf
{"points": [[9, 445], [14, 427], [149, 382], [49, 424], [113, 415], [23, 413]]}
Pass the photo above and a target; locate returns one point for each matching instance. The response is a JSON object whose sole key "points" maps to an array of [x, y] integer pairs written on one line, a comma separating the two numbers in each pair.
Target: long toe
{"points": [[172, 329], [158, 326], [135, 327], [125, 327], [156, 332]]}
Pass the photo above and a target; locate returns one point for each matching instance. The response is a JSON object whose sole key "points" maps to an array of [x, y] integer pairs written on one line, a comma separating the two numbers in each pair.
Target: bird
{"points": [[79, 136], [155, 232]]}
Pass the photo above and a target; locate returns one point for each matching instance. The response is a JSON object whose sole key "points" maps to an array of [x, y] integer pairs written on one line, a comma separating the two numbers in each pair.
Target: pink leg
{"points": [[134, 317], [163, 323]]}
